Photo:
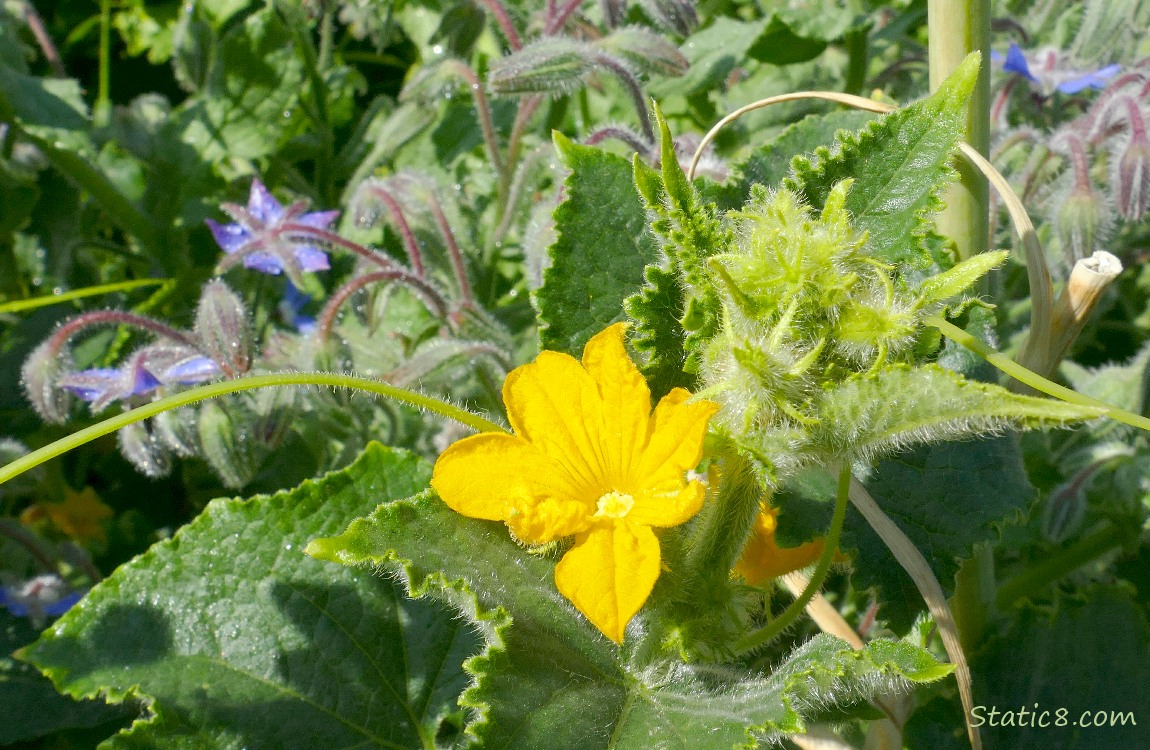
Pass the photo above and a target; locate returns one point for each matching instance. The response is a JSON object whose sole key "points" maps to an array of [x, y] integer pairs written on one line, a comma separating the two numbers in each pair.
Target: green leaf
{"points": [[770, 162], [657, 310], [1088, 655], [29, 706], [598, 256], [712, 54], [50, 108], [900, 406], [693, 233], [947, 498], [256, 80], [801, 33], [235, 638], [900, 164], [549, 680], [1123, 385]]}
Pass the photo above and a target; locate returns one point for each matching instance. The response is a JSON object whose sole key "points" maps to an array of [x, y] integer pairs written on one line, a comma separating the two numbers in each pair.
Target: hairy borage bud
{"points": [[144, 450], [225, 450], [647, 52], [1083, 220], [223, 329], [551, 65], [1132, 179], [39, 375]]}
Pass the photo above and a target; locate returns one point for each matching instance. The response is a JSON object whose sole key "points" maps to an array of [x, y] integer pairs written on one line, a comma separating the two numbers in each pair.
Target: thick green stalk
{"points": [[764, 635], [102, 112], [955, 29], [184, 398]]}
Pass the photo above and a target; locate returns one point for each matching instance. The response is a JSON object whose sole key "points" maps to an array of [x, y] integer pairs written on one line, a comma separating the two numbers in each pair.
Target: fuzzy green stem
{"points": [[1054, 567], [1031, 378], [753, 640], [195, 395], [725, 524], [955, 29]]}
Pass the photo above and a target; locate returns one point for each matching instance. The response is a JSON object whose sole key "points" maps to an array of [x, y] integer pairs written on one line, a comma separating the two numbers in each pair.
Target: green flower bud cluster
{"points": [[805, 308]]}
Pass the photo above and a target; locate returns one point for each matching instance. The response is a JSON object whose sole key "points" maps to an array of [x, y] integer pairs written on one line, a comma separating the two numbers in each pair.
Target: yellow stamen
{"points": [[614, 505]]}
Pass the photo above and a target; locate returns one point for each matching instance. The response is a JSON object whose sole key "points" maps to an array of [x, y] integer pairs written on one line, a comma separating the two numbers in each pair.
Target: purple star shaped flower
{"points": [[261, 234], [43, 596], [1047, 68], [143, 372], [291, 309]]}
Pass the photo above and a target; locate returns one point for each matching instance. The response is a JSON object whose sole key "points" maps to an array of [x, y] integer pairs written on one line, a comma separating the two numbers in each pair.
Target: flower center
{"points": [[614, 505]]}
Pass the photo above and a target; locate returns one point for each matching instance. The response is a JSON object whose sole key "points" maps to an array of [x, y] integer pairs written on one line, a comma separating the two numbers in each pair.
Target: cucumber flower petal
{"points": [[763, 559], [588, 459]]}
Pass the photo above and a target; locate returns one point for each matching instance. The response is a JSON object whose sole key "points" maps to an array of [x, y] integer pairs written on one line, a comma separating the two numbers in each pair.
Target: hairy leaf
{"points": [[29, 706], [1124, 385], [900, 164], [257, 77], [769, 163], [1085, 663], [237, 639], [899, 406], [550, 680], [598, 256], [947, 498]]}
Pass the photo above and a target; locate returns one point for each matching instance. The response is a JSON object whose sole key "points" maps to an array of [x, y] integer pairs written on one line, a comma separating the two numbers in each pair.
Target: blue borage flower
{"points": [[1047, 68], [144, 371], [291, 308], [259, 234], [43, 596]]}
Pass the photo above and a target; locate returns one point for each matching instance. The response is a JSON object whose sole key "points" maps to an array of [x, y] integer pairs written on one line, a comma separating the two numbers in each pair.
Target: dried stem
{"points": [[912, 561]]}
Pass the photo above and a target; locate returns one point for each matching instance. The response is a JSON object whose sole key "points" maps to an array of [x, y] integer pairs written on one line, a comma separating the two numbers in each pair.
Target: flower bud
{"points": [[39, 375], [144, 450], [677, 16], [1132, 179], [1083, 220], [176, 428], [223, 448], [553, 65], [646, 52], [222, 328]]}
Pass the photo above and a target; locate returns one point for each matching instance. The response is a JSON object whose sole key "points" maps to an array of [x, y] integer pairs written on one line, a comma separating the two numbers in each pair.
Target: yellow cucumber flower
{"points": [[763, 559], [588, 459]]}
